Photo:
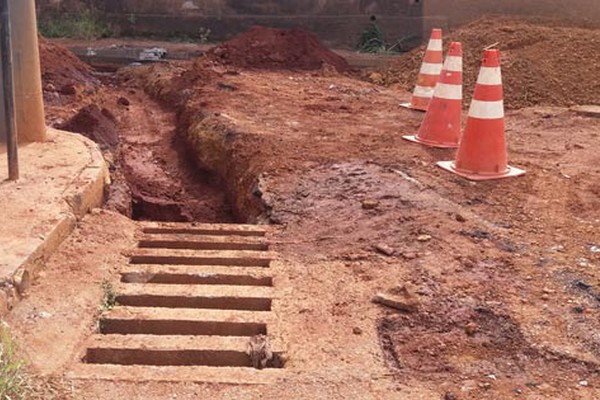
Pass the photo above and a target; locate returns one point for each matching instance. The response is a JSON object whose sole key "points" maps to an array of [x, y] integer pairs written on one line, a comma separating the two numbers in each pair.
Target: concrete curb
{"points": [[84, 192]]}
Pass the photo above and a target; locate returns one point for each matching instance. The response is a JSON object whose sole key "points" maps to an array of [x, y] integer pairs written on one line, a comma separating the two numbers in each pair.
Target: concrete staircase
{"points": [[189, 301]]}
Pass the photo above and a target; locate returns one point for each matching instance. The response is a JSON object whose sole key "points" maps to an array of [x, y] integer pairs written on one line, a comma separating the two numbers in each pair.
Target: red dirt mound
{"points": [[61, 68], [270, 48], [543, 62], [94, 123]]}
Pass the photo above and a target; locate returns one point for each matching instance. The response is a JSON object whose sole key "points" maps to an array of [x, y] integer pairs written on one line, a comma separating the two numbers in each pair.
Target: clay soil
{"points": [[269, 48], [61, 69], [153, 177], [544, 62], [504, 274]]}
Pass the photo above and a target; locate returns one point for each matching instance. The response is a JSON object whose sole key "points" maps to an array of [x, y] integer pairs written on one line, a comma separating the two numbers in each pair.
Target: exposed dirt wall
{"points": [[210, 140]]}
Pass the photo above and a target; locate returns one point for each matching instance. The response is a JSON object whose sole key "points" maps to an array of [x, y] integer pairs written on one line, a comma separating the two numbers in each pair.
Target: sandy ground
{"points": [[59, 181], [504, 273]]}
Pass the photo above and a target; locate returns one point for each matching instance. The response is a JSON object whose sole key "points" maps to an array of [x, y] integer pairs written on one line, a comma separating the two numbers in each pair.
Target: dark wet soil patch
{"points": [[480, 343]]}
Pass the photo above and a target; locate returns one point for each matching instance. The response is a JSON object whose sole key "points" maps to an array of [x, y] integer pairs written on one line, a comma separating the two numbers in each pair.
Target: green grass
{"points": [[15, 383], [85, 25]]}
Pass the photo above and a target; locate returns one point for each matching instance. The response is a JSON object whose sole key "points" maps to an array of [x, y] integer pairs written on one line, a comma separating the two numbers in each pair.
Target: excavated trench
{"points": [[175, 189], [197, 290], [155, 175]]}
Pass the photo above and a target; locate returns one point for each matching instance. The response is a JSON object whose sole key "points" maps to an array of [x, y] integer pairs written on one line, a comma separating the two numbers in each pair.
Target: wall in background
{"points": [[337, 22]]}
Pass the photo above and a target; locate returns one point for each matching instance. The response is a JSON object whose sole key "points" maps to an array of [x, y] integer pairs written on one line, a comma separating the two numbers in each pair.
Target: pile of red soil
{"points": [[543, 62], [61, 68], [270, 48], [94, 123]]}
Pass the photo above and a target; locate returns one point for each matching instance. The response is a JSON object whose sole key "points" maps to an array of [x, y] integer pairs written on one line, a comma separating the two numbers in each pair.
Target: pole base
{"points": [[416, 139], [510, 173]]}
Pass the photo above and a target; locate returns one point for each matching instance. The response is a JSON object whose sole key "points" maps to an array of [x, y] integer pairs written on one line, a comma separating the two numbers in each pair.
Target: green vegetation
{"points": [[109, 300], [202, 36], [372, 40], [14, 380], [84, 24]]}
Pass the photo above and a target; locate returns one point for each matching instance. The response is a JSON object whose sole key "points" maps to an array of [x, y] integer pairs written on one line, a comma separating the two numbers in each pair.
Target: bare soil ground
{"points": [[504, 274], [504, 270]]}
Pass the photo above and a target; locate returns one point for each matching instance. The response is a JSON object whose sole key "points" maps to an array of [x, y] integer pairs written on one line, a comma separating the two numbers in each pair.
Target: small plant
{"points": [[132, 18], [109, 300], [14, 380], [372, 39], [204, 35]]}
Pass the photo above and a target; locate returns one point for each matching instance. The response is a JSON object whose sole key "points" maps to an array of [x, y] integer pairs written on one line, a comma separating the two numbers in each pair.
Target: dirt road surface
{"points": [[503, 275]]}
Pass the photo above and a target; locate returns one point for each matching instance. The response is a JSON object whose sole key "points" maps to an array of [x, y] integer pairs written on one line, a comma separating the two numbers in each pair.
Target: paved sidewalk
{"points": [[61, 180]]}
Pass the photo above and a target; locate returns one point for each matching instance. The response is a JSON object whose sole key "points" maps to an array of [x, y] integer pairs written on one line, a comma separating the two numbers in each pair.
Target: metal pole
{"points": [[9, 96]]}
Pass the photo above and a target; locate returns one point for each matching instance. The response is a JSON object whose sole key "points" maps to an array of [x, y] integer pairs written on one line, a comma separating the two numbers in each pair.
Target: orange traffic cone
{"points": [[429, 73], [482, 150], [441, 126]]}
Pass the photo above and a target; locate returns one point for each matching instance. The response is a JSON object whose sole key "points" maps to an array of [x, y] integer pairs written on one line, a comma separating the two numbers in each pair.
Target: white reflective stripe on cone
{"points": [[453, 64], [422, 91], [435, 45], [431, 69], [448, 91], [489, 76], [486, 109]]}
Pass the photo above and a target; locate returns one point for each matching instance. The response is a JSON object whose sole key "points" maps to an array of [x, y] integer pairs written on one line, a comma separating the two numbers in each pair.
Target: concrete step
{"points": [[224, 297], [184, 321], [214, 351], [196, 274], [202, 242], [203, 229], [198, 374], [200, 257]]}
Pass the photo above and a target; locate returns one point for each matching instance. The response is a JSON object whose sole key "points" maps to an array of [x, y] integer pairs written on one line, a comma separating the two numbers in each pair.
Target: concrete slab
{"points": [[592, 111], [197, 274], [61, 180], [177, 342], [201, 257], [198, 374]]}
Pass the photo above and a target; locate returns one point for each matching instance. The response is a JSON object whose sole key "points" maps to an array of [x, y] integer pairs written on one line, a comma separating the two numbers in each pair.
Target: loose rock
{"points": [[370, 204], [385, 249], [404, 301], [471, 329]]}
